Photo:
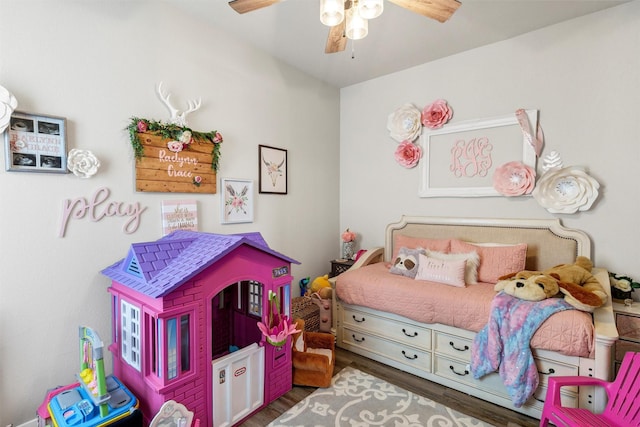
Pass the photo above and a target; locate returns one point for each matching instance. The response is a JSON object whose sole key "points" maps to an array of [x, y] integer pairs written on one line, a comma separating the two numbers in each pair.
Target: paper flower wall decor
{"points": [[8, 103], [404, 123], [83, 163], [408, 154], [566, 190], [514, 179], [436, 114]]}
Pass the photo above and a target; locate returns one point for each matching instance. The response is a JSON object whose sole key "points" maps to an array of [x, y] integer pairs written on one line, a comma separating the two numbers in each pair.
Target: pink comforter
{"points": [[569, 332]]}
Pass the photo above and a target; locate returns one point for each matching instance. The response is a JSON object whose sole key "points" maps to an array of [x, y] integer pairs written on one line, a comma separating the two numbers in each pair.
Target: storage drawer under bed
{"points": [[399, 352], [398, 331]]}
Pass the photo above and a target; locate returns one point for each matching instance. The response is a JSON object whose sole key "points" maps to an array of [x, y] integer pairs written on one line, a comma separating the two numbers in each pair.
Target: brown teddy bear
{"points": [[580, 288]]}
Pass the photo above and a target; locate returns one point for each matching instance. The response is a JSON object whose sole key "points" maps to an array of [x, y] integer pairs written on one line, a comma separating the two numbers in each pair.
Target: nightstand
{"points": [[628, 325], [340, 266]]}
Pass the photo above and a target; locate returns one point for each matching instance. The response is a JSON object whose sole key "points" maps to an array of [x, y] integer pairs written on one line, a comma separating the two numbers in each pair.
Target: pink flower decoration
{"points": [[237, 203], [348, 236], [514, 179], [175, 146], [408, 154], [218, 138], [197, 180], [142, 126], [436, 114], [277, 335], [278, 327]]}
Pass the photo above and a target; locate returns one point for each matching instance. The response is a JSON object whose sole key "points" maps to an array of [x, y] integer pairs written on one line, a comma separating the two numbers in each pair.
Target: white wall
{"points": [[97, 64], [584, 78]]}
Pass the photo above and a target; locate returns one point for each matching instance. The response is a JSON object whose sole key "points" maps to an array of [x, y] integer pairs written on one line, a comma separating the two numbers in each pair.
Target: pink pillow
{"points": [[495, 260], [441, 271], [401, 240]]}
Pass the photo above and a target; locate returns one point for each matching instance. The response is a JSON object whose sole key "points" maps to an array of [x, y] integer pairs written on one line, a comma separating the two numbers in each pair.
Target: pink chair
{"points": [[623, 408]]}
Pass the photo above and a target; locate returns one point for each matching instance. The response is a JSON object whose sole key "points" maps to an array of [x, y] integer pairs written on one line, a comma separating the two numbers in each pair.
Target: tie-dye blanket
{"points": [[504, 343]]}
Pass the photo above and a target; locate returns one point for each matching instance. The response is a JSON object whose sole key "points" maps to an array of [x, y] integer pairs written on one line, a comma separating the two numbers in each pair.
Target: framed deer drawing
{"points": [[272, 164], [170, 156]]}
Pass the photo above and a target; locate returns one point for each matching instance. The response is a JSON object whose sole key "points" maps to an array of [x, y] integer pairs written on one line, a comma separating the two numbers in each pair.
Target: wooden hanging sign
{"points": [[174, 159]]}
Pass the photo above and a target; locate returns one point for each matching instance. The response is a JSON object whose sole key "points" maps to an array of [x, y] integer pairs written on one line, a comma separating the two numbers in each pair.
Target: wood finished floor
{"points": [[487, 412]]}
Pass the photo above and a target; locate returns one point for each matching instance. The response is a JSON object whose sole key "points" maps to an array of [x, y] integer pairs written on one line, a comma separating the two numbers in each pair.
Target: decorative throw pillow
{"points": [[406, 263], [449, 272], [471, 267], [401, 240], [495, 259]]}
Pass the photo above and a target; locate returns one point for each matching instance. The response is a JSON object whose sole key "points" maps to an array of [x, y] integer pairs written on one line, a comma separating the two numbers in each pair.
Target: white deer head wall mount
{"points": [[178, 117]]}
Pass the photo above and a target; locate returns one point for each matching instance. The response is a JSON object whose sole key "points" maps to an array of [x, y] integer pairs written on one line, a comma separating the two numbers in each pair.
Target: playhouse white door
{"points": [[238, 385]]}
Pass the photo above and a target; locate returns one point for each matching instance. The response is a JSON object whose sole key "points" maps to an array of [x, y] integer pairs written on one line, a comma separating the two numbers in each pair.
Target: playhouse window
{"points": [[130, 333], [178, 346], [255, 298]]}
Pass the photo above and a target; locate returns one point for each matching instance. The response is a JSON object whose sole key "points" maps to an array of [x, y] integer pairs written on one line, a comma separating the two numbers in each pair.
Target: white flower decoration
{"points": [[404, 123], [8, 103], [185, 138], [82, 163], [623, 284], [566, 190]]}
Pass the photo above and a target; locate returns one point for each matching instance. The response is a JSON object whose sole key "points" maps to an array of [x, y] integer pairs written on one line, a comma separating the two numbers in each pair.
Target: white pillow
{"points": [[449, 272], [472, 263]]}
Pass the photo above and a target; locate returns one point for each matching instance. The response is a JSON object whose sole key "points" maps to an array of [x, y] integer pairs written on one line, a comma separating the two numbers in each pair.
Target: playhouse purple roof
{"points": [[157, 268]]}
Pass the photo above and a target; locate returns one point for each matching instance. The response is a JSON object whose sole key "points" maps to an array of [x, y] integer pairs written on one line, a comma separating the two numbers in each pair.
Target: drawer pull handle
{"points": [[356, 339], [539, 400], [415, 356], [359, 321], [466, 347], [404, 331], [458, 373], [551, 371]]}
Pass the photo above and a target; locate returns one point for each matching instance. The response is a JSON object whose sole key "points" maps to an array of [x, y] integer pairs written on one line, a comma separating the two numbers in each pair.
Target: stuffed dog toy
{"points": [[529, 285], [580, 288]]}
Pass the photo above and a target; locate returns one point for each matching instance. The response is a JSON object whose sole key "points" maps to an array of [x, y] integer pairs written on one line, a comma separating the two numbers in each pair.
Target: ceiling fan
{"points": [[440, 10]]}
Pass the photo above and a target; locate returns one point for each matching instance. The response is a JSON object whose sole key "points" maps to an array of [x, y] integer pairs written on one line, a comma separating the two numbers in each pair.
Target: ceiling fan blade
{"points": [[440, 10], [336, 41], [244, 6]]}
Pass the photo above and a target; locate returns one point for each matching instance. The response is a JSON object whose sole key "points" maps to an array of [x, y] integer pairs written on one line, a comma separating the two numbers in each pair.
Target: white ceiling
{"points": [[399, 39]]}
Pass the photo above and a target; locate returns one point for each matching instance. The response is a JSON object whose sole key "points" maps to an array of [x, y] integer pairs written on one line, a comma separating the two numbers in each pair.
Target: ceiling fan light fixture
{"points": [[331, 12], [370, 9], [357, 26]]}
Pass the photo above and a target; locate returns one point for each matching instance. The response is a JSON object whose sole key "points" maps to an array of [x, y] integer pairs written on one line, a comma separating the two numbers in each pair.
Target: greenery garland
{"points": [[171, 131]]}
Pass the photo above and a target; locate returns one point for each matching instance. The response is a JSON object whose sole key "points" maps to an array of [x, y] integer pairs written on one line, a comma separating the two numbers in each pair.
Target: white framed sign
{"points": [[237, 200], [459, 160]]}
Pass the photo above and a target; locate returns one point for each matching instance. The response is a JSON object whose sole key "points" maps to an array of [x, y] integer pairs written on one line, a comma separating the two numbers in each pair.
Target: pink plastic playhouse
{"points": [[185, 309]]}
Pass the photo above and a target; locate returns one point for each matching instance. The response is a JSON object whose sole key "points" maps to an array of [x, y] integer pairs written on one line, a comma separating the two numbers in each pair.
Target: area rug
{"points": [[357, 399]]}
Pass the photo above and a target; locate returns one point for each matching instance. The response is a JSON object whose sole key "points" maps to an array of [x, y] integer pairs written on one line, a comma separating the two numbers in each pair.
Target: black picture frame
{"points": [[272, 167]]}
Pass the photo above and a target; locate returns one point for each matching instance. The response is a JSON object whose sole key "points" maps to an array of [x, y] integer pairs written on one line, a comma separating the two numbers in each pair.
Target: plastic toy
{"points": [[98, 400], [185, 314]]}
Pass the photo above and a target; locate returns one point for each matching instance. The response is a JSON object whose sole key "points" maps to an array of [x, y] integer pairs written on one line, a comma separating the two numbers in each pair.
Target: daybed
{"points": [[428, 329]]}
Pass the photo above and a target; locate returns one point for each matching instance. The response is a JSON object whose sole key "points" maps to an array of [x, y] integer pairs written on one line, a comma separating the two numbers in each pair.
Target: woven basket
{"points": [[304, 308]]}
